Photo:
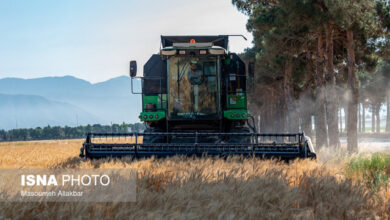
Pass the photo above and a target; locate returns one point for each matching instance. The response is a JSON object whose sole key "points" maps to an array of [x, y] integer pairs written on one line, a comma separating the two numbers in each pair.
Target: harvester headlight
{"points": [[156, 116], [182, 52], [215, 50], [145, 116], [151, 116], [232, 115], [168, 52], [202, 52], [244, 115]]}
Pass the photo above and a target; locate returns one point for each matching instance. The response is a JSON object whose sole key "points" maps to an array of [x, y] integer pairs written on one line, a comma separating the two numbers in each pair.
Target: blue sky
{"points": [[95, 39]]}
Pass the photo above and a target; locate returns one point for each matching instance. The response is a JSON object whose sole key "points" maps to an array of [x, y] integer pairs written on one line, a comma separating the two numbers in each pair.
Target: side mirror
{"points": [[133, 68], [251, 69]]}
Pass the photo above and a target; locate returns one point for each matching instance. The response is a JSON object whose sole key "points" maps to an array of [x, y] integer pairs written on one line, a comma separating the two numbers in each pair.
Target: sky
{"points": [[95, 39]]}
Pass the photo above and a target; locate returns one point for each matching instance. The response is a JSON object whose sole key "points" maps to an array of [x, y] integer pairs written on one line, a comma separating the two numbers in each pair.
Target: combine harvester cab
{"points": [[194, 102]]}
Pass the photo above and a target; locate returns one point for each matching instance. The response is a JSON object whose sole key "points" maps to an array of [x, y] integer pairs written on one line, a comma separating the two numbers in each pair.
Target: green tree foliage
{"points": [[66, 132], [308, 54]]}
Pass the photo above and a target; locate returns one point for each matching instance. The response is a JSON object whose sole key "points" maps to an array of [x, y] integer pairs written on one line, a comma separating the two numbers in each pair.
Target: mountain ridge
{"points": [[110, 101], [28, 111]]}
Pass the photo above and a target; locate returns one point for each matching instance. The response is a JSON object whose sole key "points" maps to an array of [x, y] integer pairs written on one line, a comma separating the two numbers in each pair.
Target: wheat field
{"points": [[204, 188]]}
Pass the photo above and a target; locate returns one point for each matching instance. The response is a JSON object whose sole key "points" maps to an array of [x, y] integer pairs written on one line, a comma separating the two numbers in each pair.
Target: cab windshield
{"points": [[193, 87]]}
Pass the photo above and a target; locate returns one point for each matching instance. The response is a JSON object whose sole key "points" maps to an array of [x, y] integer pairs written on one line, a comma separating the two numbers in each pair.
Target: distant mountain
{"points": [[110, 101], [51, 87], [66, 87], [25, 111]]}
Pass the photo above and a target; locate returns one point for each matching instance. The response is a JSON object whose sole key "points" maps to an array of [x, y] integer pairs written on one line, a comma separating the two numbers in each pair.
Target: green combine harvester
{"points": [[194, 102]]}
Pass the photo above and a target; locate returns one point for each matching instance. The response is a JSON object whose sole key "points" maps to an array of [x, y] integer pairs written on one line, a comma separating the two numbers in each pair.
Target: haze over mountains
{"points": [[67, 100]]}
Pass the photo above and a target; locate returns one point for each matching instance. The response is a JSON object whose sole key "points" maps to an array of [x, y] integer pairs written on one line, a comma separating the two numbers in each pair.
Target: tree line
{"points": [[57, 132], [315, 58]]}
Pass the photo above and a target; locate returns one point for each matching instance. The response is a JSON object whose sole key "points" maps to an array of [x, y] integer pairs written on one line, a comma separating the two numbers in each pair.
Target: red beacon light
{"points": [[192, 41]]}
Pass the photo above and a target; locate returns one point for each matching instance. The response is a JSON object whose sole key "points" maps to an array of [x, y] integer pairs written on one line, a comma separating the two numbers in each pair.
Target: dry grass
{"points": [[193, 188], [37, 154]]}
